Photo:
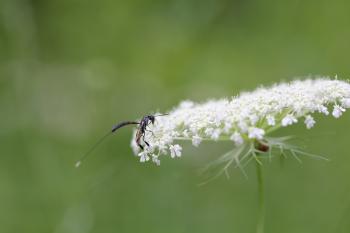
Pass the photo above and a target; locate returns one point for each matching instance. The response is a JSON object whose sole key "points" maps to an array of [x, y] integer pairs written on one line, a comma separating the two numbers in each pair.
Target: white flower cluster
{"points": [[246, 118]]}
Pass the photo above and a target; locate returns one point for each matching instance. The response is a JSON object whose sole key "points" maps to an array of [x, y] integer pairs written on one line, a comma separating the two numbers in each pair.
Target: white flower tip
{"points": [[309, 122], [338, 111], [324, 110], [256, 133], [144, 159], [143, 156], [215, 134], [186, 104], [155, 160], [208, 131], [270, 120], [237, 138], [346, 103], [175, 151], [196, 140], [289, 120]]}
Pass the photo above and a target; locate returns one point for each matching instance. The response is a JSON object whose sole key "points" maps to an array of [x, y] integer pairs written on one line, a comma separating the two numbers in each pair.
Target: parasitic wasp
{"points": [[140, 133]]}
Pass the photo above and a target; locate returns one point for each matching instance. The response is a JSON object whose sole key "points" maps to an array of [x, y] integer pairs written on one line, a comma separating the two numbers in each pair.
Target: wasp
{"points": [[140, 133]]}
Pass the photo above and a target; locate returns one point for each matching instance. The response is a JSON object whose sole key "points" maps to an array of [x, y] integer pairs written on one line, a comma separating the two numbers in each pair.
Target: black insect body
{"points": [[141, 131], [140, 134], [122, 124]]}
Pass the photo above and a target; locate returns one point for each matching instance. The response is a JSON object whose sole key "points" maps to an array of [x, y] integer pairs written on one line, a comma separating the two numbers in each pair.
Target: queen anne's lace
{"points": [[246, 118]]}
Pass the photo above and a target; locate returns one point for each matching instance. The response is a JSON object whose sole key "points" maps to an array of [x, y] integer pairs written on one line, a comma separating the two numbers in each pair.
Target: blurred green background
{"points": [[70, 69]]}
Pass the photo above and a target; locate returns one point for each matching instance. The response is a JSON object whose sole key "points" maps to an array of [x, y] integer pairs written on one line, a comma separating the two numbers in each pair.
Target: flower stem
{"points": [[261, 199]]}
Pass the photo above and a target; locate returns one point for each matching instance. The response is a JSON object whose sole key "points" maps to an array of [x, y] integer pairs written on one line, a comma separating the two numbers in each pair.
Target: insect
{"points": [[140, 134]]}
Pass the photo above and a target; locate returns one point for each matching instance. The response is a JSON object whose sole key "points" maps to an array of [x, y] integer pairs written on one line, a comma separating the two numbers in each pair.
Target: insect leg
{"points": [[143, 137], [141, 147]]}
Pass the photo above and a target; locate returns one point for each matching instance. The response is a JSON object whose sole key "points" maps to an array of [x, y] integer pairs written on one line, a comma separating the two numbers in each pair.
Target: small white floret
{"points": [[309, 121], [215, 134], [143, 157], [243, 126], [338, 111], [289, 120], [175, 150], [196, 140], [270, 120], [155, 160], [237, 138], [345, 102], [324, 110], [208, 131], [185, 133], [253, 119], [256, 133]]}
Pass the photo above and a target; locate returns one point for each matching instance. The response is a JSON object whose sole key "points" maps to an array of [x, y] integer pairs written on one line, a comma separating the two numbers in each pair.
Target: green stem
{"points": [[261, 199]]}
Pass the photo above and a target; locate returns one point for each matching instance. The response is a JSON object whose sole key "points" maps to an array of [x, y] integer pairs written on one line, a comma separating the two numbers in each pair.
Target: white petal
{"points": [[338, 111]]}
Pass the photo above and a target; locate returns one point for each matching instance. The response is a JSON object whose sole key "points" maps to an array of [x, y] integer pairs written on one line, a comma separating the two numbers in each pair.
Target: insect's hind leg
{"points": [[141, 147]]}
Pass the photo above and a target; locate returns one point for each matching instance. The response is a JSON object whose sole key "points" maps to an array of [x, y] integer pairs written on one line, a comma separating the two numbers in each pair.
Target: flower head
{"points": [[247, 118]]}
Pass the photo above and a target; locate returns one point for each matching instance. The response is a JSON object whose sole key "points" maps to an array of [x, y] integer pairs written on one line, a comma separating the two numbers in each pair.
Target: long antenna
{"points": [[114, 128], [165, 114], [77, 164]]}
